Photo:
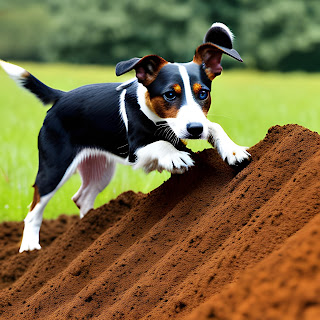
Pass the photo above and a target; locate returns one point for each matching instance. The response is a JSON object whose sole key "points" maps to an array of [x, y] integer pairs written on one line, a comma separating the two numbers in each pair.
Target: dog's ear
{"points": [[147, 68], [203, 55]]}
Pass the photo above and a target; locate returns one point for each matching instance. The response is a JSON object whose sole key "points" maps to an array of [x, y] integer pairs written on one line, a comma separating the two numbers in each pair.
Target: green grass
{"points": [[245, 103]]}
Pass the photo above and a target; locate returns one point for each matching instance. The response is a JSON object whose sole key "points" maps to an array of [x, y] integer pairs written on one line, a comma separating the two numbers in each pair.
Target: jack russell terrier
{"points": [[141, 122]]}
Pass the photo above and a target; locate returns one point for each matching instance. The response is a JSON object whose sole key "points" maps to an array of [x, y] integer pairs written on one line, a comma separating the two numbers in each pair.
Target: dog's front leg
{"points": [[162, 155], [228, 150]]}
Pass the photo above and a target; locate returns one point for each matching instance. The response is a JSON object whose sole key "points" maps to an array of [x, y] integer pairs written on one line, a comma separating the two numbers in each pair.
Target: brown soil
{"points": [[208, 244]]}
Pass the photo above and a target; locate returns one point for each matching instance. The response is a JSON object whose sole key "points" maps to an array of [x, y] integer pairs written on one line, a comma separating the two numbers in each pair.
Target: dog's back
{"points": [[90, 117]]}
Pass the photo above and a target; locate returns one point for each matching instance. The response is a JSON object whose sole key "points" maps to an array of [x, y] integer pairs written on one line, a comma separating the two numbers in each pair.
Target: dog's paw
{"points": [[176, 162], [29, 245], [233, 154], [161, 155], [30, 240]]}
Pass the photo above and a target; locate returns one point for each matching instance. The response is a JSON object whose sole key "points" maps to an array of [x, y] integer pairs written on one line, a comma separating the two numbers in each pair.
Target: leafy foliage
{"points": [[22, 29]]}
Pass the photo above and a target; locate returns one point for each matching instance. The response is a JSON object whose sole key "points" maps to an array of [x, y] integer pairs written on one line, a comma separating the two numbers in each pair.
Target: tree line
{"points": [[279, 35]]}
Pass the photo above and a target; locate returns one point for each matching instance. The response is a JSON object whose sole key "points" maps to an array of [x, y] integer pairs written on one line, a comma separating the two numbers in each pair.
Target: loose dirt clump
{"points": [[209, 244]]}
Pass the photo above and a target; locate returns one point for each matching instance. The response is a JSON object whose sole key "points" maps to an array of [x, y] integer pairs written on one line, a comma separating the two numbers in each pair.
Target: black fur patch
{"points": [[44, 93]]}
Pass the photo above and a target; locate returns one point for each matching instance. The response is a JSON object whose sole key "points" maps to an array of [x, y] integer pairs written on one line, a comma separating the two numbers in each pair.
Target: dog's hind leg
{"points": [[96, 171], [52, 174], [33, 220]]}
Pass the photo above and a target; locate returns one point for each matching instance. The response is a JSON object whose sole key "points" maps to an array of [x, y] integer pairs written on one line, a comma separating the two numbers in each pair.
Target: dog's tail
{"points": [[26, 80]]}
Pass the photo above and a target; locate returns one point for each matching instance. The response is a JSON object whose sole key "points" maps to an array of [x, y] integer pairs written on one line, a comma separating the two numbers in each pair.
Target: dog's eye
{"points": [[203, 94], [170, 95]]}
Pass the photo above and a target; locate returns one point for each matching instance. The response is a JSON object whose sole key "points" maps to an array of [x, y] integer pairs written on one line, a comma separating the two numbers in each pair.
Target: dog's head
{"points": [[179, 93]]}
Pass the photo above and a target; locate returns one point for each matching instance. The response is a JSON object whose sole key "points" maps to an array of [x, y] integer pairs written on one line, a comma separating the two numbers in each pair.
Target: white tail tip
{"points": [[16, 73]]}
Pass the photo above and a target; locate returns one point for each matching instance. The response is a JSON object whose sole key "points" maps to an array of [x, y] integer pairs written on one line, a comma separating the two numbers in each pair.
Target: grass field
{"points": [[245, 103]]}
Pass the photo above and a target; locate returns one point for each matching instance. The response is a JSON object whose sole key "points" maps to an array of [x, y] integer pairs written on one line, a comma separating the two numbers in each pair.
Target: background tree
{"points": [[270, 34]]}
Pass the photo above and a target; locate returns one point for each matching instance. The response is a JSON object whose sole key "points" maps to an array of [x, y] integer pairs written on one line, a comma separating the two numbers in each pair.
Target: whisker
{"points": [[124, 146]]}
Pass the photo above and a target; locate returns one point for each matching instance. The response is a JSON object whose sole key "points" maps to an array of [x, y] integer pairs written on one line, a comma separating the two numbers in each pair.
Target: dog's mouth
{"points": [[193, 137]]}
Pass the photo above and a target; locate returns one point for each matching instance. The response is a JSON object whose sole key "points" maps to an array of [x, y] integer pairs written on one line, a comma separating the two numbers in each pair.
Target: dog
{"points": [[142, 122]]}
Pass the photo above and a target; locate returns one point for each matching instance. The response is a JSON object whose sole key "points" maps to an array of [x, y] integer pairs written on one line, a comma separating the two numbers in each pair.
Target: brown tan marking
{"points": [[160, 107], [25, 74], [202, 55], [36, 198], [210, 74], [198, 60], [196, 88], [148, 68], [206, 106], [177, 89]]}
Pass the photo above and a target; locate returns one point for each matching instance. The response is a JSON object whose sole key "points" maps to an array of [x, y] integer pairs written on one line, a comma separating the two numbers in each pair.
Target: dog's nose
{"points": [[195, 128]]}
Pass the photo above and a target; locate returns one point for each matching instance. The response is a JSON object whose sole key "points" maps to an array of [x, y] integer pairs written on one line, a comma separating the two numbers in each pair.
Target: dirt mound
{"points": [[208, 244]]}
